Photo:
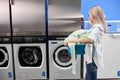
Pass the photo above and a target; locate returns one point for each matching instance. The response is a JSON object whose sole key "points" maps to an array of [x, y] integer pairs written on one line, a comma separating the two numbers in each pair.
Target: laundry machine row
{"points": [[23, 59], [30, 59]]}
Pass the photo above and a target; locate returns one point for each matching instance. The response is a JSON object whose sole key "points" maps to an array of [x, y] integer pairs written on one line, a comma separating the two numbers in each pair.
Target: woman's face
{"points": [[90, 18]]}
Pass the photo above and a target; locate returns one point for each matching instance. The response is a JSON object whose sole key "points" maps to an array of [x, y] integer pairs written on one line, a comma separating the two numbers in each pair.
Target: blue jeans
{"points": [[91, 71]]}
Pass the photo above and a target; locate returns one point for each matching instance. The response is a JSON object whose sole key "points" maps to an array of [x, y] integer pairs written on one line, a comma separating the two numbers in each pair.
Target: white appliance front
{"points": [[111, 68], [30, 61], [111, 55], [60, 66], [6, 63]]}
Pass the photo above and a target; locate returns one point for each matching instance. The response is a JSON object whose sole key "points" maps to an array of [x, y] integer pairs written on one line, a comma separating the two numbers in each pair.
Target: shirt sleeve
{"points": [[95, 34]]}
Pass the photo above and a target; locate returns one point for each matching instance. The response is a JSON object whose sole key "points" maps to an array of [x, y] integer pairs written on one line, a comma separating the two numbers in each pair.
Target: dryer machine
{"points": [[60, 66], [6, 63], [59, 27], [30, 58], [28, 22]]}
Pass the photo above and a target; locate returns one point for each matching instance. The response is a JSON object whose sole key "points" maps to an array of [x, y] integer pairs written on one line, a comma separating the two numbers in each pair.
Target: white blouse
{"points": [[96, 35]]}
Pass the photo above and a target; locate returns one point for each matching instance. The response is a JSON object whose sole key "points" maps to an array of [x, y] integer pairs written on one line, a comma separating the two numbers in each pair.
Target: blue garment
{"points": [[91, 73]]}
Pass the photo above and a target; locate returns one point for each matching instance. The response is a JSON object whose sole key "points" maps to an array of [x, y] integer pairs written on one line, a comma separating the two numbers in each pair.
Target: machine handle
{"points": [[115, 36], [62, 38], [11, 2]]}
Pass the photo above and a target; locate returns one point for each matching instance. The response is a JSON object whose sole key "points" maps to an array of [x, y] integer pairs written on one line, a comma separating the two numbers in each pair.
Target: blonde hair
{"points": [[98, 16]]}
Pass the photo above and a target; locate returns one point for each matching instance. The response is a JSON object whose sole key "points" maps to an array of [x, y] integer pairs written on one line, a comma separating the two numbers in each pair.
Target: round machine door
{"points": [[30, 56], [3, 57], [61, 57]]}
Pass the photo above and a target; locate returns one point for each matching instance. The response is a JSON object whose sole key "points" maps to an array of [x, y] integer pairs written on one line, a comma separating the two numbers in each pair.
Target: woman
{"points": [[95, 37]]}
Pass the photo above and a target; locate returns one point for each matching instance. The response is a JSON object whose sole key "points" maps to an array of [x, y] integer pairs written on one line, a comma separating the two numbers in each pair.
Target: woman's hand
{"points": [[66, 42]]}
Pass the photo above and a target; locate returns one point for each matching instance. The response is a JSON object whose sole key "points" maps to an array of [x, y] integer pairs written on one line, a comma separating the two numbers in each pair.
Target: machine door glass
{"points": [[30, 56], [4, 18], [61, 57], [3, 57], [28, 17]]}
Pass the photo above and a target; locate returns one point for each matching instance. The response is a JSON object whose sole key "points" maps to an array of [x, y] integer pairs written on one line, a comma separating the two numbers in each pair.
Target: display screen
{"points": [[112, 26]]}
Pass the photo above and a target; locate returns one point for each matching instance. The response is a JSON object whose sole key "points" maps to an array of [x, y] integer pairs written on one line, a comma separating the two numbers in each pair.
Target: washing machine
{"points": [[6, 62], [30, 57], [60, 66]]}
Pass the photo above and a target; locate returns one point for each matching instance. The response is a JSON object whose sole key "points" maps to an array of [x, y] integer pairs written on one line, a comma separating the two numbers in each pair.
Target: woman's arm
{"points": [[79, 40]]}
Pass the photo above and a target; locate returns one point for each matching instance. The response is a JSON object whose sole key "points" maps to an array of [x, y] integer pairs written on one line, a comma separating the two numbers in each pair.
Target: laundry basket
{"points": [[79, 49]]}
